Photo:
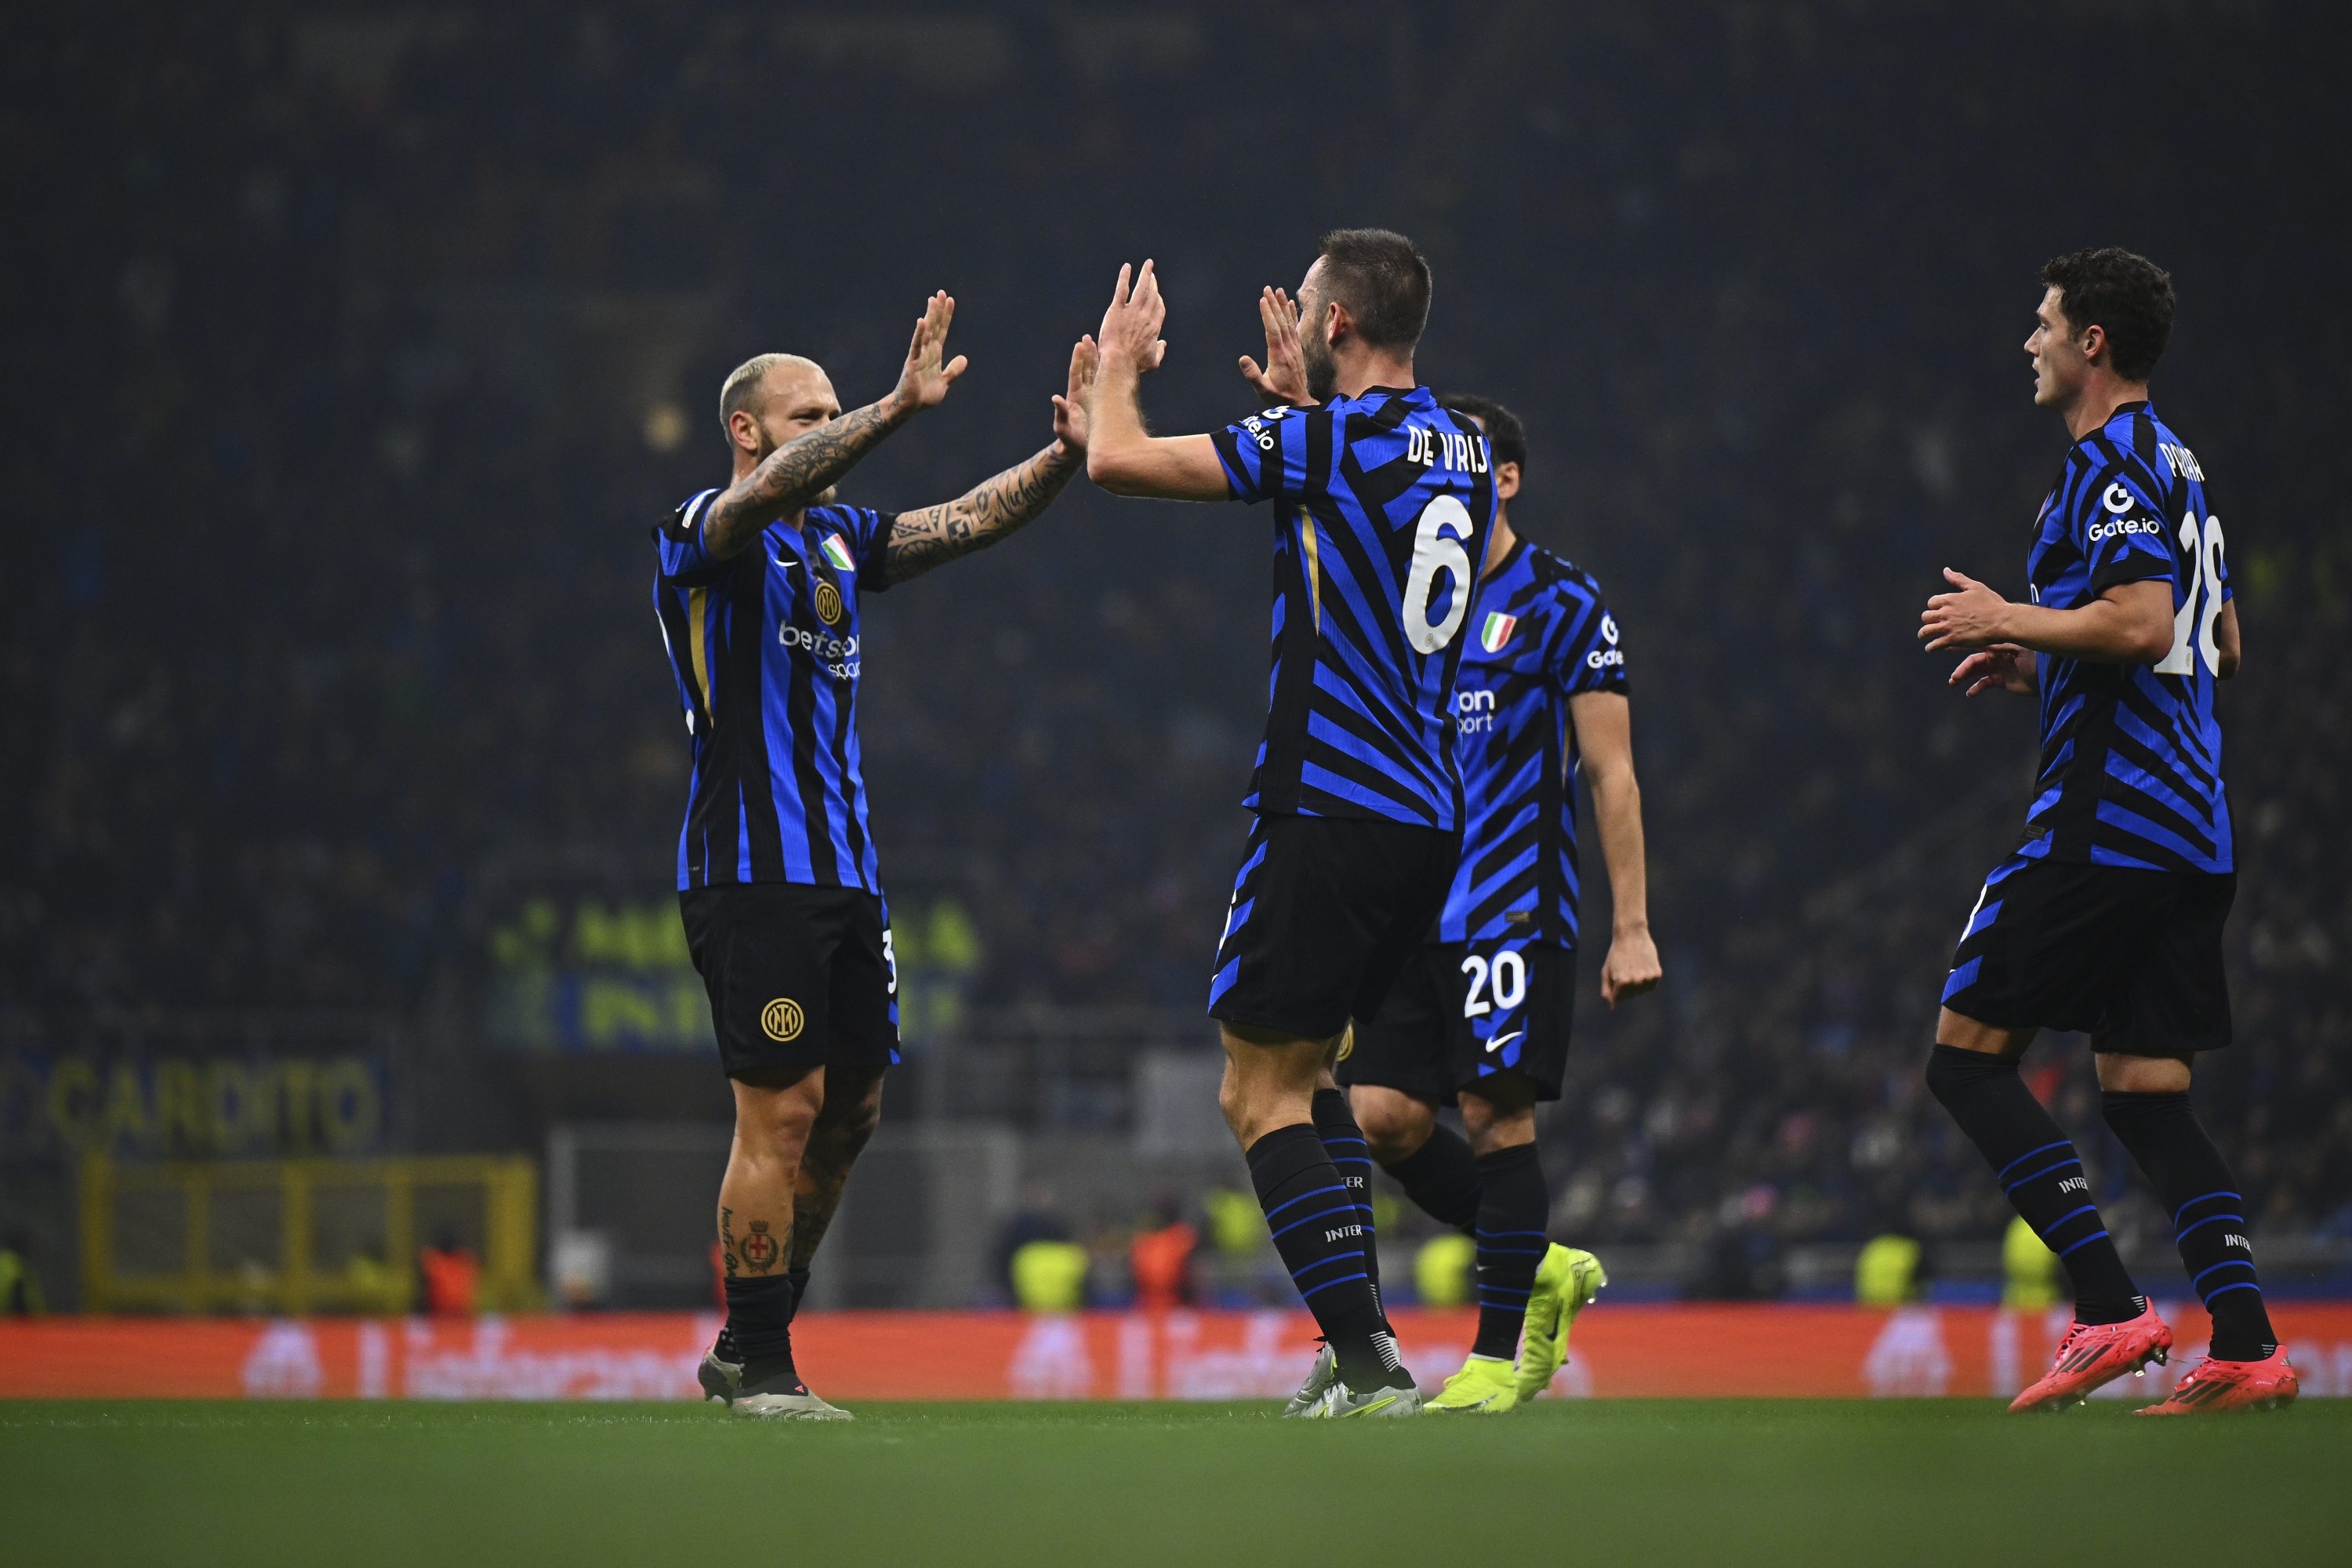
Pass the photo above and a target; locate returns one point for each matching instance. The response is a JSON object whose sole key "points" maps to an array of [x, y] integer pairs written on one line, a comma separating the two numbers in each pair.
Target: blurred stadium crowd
{"points": [[355, 352]]}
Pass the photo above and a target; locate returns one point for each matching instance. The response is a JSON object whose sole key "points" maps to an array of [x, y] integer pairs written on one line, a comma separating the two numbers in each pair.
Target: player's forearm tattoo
{"points": [[993, 509], [795, 474]]}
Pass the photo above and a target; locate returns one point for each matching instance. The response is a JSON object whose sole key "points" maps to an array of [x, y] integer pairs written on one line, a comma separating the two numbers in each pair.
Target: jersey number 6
{"points": [[2205, 575], [1433, 550]]}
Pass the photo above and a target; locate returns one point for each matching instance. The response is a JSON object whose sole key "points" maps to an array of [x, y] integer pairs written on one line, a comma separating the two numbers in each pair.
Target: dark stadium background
{"points": [[351, 353]]}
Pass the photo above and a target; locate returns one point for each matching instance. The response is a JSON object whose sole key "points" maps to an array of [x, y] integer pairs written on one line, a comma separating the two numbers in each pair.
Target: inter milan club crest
{"points": [[780, 1019], [828, 603], [1497, 631], [760, 1249]]}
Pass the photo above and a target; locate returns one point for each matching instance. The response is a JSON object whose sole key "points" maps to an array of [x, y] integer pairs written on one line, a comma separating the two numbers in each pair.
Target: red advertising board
{"points": [[1632, 1350]]}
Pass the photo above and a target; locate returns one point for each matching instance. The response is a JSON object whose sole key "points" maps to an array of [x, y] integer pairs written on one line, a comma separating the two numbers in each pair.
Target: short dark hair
{"points": [[1505, 434], [1382, 279], [2122, 292]]}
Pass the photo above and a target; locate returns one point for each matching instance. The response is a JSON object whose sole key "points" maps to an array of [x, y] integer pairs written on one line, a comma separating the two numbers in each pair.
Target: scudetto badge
{"points": [[780, 1019]]}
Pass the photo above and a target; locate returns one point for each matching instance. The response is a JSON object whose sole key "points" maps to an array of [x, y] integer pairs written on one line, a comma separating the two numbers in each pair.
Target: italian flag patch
{"points": [[838, 553], [1497, 631]]}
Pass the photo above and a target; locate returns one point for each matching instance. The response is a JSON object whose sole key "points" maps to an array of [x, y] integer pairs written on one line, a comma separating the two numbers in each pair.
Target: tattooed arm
{"points": [[937, 534], [798, 473]]}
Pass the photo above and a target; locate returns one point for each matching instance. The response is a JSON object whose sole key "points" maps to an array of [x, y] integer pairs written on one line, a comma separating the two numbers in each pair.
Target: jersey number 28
{"points": [[2205, 574]]}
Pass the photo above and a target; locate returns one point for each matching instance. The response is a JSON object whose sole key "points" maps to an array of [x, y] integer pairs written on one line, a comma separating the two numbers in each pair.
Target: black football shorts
{"points": [[1463, 1011], [798, 976], [1325, 914], [2133, 956]]}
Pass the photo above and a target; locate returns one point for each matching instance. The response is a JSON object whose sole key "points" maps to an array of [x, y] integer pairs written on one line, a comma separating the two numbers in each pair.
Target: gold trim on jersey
{"points": [[697, 599], [1314, 568]]}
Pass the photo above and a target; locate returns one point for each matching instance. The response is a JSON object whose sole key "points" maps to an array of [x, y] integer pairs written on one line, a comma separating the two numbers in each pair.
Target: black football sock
{"points": [[1442, 1179], [759, 1321], [1335, 1125], [1313, 1219], [1512, 1209], [2209, 1217], [799, 1278], [2039, 1174]]}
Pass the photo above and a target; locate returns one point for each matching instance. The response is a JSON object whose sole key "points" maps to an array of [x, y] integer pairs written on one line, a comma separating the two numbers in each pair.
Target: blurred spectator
{"points": [[1743, 1259], [1050, 1276], [2029, 1270], [20, 1286], [453, 1278], [1160, 1257], [1039, 1218], [1886, 1274], [1444, 1268]]}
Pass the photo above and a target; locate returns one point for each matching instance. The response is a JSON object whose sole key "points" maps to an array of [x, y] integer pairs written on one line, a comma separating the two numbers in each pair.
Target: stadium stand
{"points": [[356, 354]]}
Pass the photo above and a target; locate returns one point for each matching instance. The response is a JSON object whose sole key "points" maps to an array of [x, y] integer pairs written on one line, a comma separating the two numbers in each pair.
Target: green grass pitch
{"points": [[1620, 1482]]}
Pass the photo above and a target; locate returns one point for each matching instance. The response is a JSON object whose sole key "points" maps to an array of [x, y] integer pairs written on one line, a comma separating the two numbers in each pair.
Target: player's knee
{"points": [[1394, 1124], [1951, 1071], [772, 1121], [1231, 1098]]}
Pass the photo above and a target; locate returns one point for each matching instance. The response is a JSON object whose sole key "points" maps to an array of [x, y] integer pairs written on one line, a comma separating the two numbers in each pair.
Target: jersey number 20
{"points": [[1510, 976], [1434, 550], [2205, 573]]}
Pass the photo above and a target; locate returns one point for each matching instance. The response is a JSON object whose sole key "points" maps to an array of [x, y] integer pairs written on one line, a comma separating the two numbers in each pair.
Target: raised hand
{"points": [[1131, 327], [1283, 379], [2004, 667], [1971, 618], [924, 380], [1071, 408]]}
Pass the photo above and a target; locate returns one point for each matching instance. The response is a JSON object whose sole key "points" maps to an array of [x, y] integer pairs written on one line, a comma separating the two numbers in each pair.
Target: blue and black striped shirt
{"points": [[1381, 505], [765, 648], [2131, 753], [1539, 635]]}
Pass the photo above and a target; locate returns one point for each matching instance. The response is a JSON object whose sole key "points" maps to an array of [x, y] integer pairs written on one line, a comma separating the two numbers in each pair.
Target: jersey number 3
{"points": [[2205, 575], [1433, 551]]}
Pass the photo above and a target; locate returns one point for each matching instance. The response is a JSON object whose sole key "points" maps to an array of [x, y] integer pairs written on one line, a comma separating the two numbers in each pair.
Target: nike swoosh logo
{"points": [[785, 565], [1499, 1041]]}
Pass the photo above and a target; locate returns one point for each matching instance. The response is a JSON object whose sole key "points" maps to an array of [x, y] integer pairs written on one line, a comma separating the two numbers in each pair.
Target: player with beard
{"points": [[758, 592], [2108, 916], [1381, 500]]}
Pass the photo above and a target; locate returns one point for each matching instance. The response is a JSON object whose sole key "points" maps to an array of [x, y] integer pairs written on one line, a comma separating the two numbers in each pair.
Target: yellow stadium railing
{"points": [[301, 1236]]}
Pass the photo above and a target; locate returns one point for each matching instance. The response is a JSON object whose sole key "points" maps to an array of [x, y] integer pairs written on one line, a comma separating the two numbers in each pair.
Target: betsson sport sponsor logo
{"points": [[1474, 712], [838, 655]]}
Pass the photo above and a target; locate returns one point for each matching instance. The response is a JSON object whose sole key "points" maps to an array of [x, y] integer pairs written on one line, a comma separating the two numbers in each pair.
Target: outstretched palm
{"points": [[1070, 407], [926, 379], [1131, 327], [1283, 379]]}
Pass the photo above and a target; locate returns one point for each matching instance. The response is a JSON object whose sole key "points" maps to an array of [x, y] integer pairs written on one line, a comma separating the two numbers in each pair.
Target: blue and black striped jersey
{"points": [[764, 646], [1380, 504], [2131, 754], [1540, 634]]}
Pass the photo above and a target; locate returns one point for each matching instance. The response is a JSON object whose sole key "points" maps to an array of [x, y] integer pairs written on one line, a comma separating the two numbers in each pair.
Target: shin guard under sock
{"points": [[1512, 1209], [1335, 1125], [2039, 1174], [759, 1322], [2209, 1217], [1313, 1220], [1442, 1179]]}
